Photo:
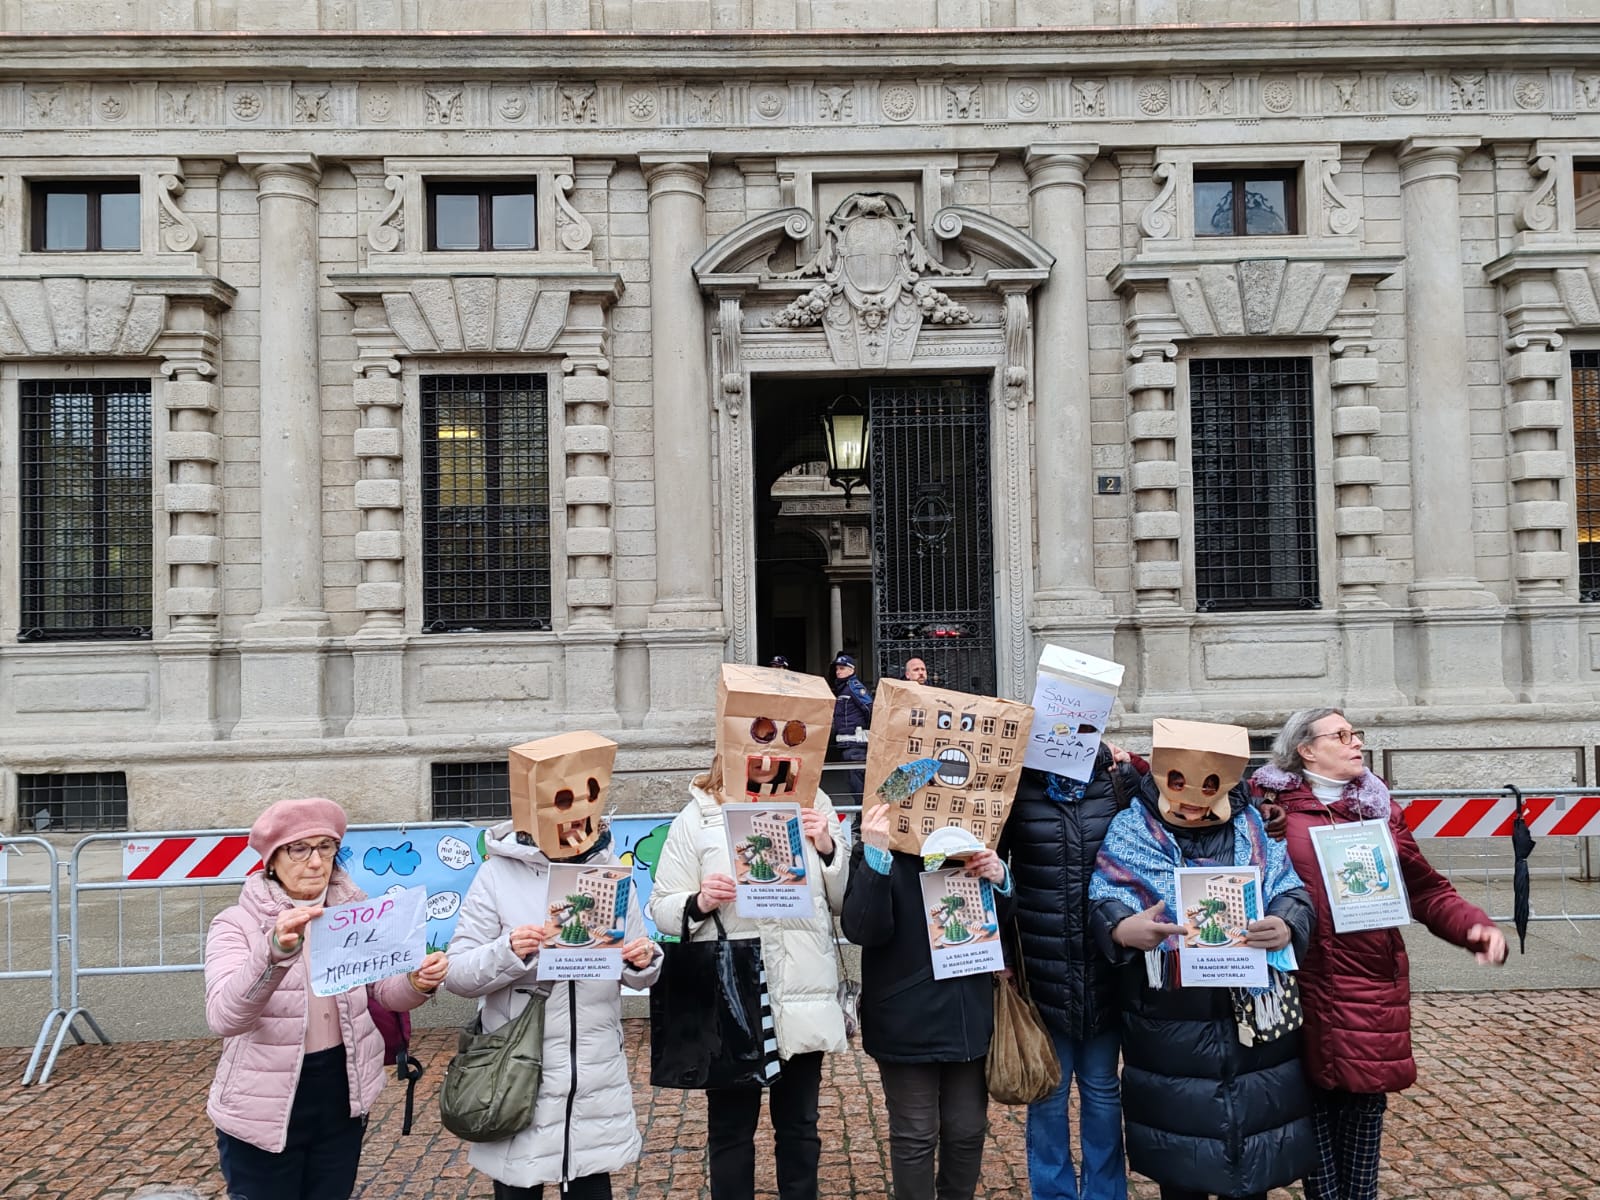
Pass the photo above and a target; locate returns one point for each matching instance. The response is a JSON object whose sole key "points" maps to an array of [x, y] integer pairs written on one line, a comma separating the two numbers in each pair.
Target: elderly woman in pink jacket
{"points": [[299, 1072]]}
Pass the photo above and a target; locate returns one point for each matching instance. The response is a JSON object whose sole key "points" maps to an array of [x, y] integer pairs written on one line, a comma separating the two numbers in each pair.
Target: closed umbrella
{"points": [[1521, 847]]}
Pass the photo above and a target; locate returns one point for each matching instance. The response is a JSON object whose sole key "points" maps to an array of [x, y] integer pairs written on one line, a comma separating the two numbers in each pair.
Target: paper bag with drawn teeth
{"points": [[944, 758], [772, 734], [558, 790]]}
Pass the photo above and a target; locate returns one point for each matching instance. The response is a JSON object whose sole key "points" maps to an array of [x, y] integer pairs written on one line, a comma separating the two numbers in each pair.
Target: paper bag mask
{"points": [[558, 790], [944, 759], [772, 734], [1196, 765]]}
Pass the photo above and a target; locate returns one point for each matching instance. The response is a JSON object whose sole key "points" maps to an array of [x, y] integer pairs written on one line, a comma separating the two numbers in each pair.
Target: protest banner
{"points": [[367, 940]]}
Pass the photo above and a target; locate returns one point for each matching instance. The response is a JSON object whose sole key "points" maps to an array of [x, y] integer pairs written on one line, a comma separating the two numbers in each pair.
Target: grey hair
{"points": [[1295, 733]]}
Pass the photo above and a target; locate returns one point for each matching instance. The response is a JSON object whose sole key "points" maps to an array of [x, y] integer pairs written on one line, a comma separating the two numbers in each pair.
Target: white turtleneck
{"points": [[1324, 789]]}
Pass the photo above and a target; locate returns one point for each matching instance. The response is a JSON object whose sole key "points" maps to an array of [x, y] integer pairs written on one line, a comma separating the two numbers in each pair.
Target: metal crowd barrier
{"points": [[184, 958], [1468, 834], [51, 890]]}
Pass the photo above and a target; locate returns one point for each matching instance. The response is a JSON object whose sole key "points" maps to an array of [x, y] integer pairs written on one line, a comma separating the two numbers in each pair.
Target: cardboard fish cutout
{"points": [[1196, 764], [772, 734], [944, 759], [558, 790]]}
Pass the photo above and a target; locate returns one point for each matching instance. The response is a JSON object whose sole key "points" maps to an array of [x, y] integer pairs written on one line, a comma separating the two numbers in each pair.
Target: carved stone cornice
{"points": [[1547, 290], [72, 317], [505, 313], [1280, 297]]}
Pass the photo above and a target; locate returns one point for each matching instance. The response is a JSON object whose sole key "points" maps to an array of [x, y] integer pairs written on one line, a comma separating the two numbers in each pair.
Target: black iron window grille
{"points": [[85, 509], [1586, 465], [1246, 203], [471, 791], [1255, 506], [73, 215], [77, 802], [481, 217], [485, 503]]}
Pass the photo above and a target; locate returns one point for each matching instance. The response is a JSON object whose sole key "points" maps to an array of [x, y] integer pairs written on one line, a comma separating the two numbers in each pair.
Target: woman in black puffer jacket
{"points": [[930, 1036], [1051, 838]]}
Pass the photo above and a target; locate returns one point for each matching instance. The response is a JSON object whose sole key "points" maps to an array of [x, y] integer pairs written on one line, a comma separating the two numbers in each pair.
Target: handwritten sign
{"points": [[768, 853], [587, 907], [368, 940], [1072, 702], [963, 928], [1215, 905]]}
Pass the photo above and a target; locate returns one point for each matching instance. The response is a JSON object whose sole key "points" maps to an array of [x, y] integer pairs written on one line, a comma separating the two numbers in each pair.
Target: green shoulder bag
{"points": [[491, 1084]]}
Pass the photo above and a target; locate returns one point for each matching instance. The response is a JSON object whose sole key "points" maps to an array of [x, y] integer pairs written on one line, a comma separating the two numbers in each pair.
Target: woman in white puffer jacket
{"points": [[801, 963], [583, 1121]]}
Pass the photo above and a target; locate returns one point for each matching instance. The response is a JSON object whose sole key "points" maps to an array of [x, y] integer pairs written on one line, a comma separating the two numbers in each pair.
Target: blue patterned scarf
{"points": [[1139, 856]]}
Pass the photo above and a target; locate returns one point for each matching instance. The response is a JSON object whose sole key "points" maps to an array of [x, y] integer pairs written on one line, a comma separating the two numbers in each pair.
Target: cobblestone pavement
{"points": [[1506, 1107]]}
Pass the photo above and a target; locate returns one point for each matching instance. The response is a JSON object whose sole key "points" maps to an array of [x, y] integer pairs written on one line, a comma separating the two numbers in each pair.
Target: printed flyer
{"points": [[963, 929], [1361, 874], [768, 851], [588, 907], [1215, 905]]}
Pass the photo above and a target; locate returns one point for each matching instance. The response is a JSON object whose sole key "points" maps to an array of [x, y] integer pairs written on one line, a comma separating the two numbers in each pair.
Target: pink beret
{"points": [[293, 821]]}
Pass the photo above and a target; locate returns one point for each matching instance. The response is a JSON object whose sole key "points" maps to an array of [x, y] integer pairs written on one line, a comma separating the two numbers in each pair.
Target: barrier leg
{"points": [[50, 1020], [69, 1025]]}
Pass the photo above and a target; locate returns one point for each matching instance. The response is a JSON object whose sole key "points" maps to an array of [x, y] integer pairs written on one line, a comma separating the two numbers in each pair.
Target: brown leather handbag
{"points": [[1023, 1066]]}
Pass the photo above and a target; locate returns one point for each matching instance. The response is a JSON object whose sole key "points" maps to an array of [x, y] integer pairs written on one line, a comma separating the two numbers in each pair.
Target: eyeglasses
{"points": [[301, 851], [1345, 736]]}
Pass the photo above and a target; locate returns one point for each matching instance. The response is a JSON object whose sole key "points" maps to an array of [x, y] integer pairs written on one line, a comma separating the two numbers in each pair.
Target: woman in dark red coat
{"points": [[1356, 987]]}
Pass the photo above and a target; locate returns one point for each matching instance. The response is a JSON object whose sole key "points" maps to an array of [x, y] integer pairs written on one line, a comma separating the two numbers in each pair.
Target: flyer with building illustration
{"points": [[587, 909], [1215, 905], [1361, 874], [963, 928], [767, 848]]}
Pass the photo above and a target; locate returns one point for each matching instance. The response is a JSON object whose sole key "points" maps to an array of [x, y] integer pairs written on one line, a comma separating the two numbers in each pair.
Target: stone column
{"points": [[835, 617], [281, 662], [1063, 451], [681, 389], [1436, 376]]}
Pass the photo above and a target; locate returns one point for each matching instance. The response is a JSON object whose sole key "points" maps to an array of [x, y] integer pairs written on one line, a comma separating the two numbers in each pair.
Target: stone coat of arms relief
{"points": [[873, 295]]}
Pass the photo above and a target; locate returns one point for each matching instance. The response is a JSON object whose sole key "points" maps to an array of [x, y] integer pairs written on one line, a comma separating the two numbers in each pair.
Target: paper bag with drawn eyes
{"points": [[772, 734], [944, 758], [1196, 764], [558, 790]]}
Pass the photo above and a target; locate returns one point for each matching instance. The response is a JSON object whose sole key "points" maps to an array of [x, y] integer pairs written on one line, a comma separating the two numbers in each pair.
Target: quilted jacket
{"points": [[583, 1120], [1356, 987], [800, 957], [259, 1009]]}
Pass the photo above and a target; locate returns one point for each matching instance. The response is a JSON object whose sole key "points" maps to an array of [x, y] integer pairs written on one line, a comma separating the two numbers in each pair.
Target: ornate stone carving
{"points": [[1089, 98], [248, 106], [312, 107], [1339, 216], [835, 103], [1538, 213], [1277, 95], [379, 105], [114, 105], [577, 104], [1345, 93], [178, 232], [642, 105], [476, 314], [1405, 93], [729, 358], [1154, 99], [1027, 100], [704, 106], [770, 105], [1468, 91], [444, 105], [1160, 217], [1589, 89], [572, 227], [898, 102], [1529, 93], [963, 101], [872, 298], [1216, 96], [385, 232], [178, 106], [513, 106]]}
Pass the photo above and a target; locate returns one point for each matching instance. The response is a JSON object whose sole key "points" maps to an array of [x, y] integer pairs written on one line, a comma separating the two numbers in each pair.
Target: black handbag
{"points": [[710, 1015]]}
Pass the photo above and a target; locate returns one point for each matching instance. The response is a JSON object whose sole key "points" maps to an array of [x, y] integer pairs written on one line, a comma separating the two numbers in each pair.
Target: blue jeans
{"points": [[1051, 1172]]}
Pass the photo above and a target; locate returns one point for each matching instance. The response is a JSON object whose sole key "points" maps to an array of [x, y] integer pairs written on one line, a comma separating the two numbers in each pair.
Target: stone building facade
{"points": [[1346, 250]]}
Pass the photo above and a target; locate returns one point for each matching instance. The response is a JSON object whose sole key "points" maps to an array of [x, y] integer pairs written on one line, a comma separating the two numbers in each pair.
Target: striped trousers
{"points": [[1349, 1143]]}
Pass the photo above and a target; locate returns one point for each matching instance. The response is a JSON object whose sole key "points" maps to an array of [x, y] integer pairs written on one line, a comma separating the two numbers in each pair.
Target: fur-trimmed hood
{"points": [[1366, 796]]}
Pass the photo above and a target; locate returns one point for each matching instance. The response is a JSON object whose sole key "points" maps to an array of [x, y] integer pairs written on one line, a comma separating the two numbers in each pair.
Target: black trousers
{"points": [[1178, 1193], [938, 1108], [319, 1160], [590, 1187], [731, 1118]]}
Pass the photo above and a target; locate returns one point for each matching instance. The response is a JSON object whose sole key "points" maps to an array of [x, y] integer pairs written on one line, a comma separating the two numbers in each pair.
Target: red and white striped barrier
{"points": [[1491, 816], [225, 857]]}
